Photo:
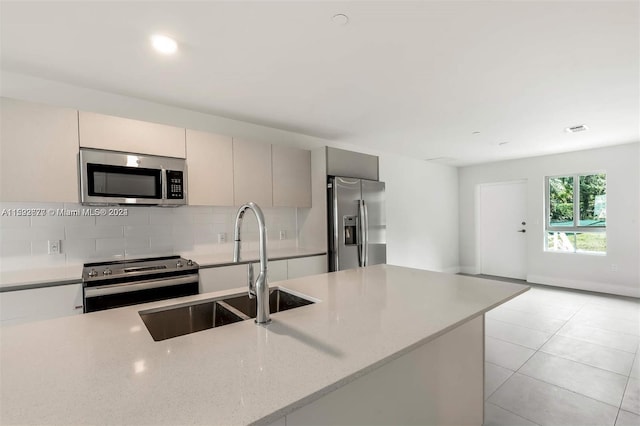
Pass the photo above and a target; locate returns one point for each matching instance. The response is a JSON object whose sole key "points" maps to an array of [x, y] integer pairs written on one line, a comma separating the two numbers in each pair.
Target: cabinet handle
{"points": [[79, 307]]}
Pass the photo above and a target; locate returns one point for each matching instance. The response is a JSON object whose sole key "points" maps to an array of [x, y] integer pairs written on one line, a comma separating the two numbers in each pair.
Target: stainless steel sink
{"points": [[178, 320], [279, 300], [166, 323]]}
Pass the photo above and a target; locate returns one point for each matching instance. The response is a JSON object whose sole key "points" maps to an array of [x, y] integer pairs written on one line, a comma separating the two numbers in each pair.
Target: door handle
{"points": [[522, 230], [360, 234], [365, 242]]}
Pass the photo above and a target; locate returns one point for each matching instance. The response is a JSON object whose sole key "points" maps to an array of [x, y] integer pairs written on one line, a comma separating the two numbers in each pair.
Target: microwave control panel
{"points": [[175, 185]]}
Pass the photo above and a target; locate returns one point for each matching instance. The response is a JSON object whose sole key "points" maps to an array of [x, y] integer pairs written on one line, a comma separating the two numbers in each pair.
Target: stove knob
{"points": [[107, 271], [92, 273], [189, 262], [179, 264]]}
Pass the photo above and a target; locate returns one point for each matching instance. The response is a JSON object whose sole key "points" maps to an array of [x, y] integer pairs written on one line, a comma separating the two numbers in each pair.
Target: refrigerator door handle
{"points": [[360, 236], [365, 228]]}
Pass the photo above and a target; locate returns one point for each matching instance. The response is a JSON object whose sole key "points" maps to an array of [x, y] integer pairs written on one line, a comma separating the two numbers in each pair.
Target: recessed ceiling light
{"points": [[576, 129], [340, 19], [163, 44]]}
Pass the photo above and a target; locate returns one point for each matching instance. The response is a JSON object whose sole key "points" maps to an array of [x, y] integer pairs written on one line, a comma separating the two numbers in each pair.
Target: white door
{"points": [[503, 229]]}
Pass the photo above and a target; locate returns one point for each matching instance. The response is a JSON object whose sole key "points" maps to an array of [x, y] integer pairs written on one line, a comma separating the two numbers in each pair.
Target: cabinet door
{"points": [[252, 173], [304, 266], [291, 177], [126, 135], [210, 169], [276, 270], [39, 152], [40, 303], [235, 276], [223, 278]]}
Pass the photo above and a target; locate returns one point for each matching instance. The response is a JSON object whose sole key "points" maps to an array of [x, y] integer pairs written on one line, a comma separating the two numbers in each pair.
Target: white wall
{"points": [[421, 196], [619, 271], [422, 213]]}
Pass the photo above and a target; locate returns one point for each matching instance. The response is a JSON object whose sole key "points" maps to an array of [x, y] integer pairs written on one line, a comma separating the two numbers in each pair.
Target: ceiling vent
{"points": [[576, 129], [440, 159]]}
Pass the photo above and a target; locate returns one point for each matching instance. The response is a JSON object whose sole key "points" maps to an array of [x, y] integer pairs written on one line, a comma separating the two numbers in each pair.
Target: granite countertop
{"points": [[72, 273], [104, 367]]}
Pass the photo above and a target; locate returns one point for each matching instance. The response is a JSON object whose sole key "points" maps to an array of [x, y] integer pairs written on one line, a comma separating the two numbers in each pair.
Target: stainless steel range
{"points": [[123, 283]]}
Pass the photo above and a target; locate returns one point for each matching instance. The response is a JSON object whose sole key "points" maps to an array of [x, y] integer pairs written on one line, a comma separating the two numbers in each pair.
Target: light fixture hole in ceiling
{"points": [[340, 19], [164, 44]]}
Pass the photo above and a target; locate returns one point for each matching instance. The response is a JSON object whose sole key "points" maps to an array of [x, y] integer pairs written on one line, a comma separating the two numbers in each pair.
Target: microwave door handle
{"points": [[163, 183]]}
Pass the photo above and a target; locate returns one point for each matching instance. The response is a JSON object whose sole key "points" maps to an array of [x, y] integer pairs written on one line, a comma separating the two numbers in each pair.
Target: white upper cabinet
{"points": [[210, 169], [291, 177], [252, 173], [38, 152], [126, 135]]}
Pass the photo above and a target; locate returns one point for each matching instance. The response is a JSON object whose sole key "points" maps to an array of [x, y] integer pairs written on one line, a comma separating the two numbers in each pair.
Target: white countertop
{"points": [[66, 274], [104, 367]]}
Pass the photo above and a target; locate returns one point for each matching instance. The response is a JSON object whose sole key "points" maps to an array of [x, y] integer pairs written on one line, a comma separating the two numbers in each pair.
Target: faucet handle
{"points": [[252, 284]]}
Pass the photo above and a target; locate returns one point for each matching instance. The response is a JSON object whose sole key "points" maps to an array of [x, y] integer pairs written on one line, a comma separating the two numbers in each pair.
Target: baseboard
{"points": [[585, 285], [472, 270]]}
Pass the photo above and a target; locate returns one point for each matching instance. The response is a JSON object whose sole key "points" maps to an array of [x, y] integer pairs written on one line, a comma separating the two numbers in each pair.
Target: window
{"points": [[577, 213]]}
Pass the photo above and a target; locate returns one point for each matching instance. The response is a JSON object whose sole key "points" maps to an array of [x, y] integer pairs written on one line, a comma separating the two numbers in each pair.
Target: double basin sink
{"points": [[178, 320]]}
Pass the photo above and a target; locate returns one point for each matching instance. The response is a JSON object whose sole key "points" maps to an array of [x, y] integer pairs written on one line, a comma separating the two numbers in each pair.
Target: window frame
{"points": [[576, 228]]}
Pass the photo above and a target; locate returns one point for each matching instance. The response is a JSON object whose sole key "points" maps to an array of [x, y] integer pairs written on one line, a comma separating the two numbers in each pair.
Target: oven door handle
{"points": [[106, 290]]}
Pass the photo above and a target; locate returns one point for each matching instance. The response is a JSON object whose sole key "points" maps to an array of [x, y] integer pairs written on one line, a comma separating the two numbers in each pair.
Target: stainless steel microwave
{"points": [[110, 177]]}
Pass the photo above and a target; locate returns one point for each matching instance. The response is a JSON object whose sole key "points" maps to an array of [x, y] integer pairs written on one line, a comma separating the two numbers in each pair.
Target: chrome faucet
{"points": [[260, 288]]}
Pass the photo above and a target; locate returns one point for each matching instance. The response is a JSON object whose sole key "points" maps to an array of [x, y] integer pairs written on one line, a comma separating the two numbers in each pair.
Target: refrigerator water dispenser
{"points": [[350, 230]]}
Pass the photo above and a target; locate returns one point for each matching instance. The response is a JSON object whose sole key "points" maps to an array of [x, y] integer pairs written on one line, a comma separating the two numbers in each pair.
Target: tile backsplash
{"points": [[143, 231]]}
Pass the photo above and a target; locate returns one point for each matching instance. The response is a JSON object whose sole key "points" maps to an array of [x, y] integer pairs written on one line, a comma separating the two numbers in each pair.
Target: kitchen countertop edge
{"points": [[14, 280]]}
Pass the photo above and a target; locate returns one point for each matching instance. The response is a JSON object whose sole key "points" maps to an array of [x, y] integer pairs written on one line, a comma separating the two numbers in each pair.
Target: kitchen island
{"points": [[393, 338]]}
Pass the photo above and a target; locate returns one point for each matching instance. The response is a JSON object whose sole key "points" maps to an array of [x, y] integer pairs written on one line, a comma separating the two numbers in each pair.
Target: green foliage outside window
{"points": [[569, 233], [593, 200], [561, 201]]}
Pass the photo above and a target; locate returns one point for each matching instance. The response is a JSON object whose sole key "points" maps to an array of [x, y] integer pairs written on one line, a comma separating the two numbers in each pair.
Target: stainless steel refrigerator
{"points": [[357, 223]]}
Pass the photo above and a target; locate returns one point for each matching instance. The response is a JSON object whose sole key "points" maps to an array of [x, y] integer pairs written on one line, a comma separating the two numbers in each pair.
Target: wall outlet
{"points": [[54, 246], [222, 237], [283, 235]]}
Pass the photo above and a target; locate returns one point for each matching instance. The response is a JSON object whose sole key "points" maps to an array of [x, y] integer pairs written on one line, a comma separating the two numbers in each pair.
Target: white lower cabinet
{"points": [[21, 306], [234, 276], [304, 266], [276, 270], [222, 278]]}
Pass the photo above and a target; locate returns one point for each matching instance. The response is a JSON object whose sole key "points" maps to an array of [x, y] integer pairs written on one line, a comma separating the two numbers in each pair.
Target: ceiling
{"points": [[415, 78]]}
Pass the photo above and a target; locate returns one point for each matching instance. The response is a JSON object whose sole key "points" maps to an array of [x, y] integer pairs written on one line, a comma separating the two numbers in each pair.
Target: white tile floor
{"points": [[561, 357]]}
